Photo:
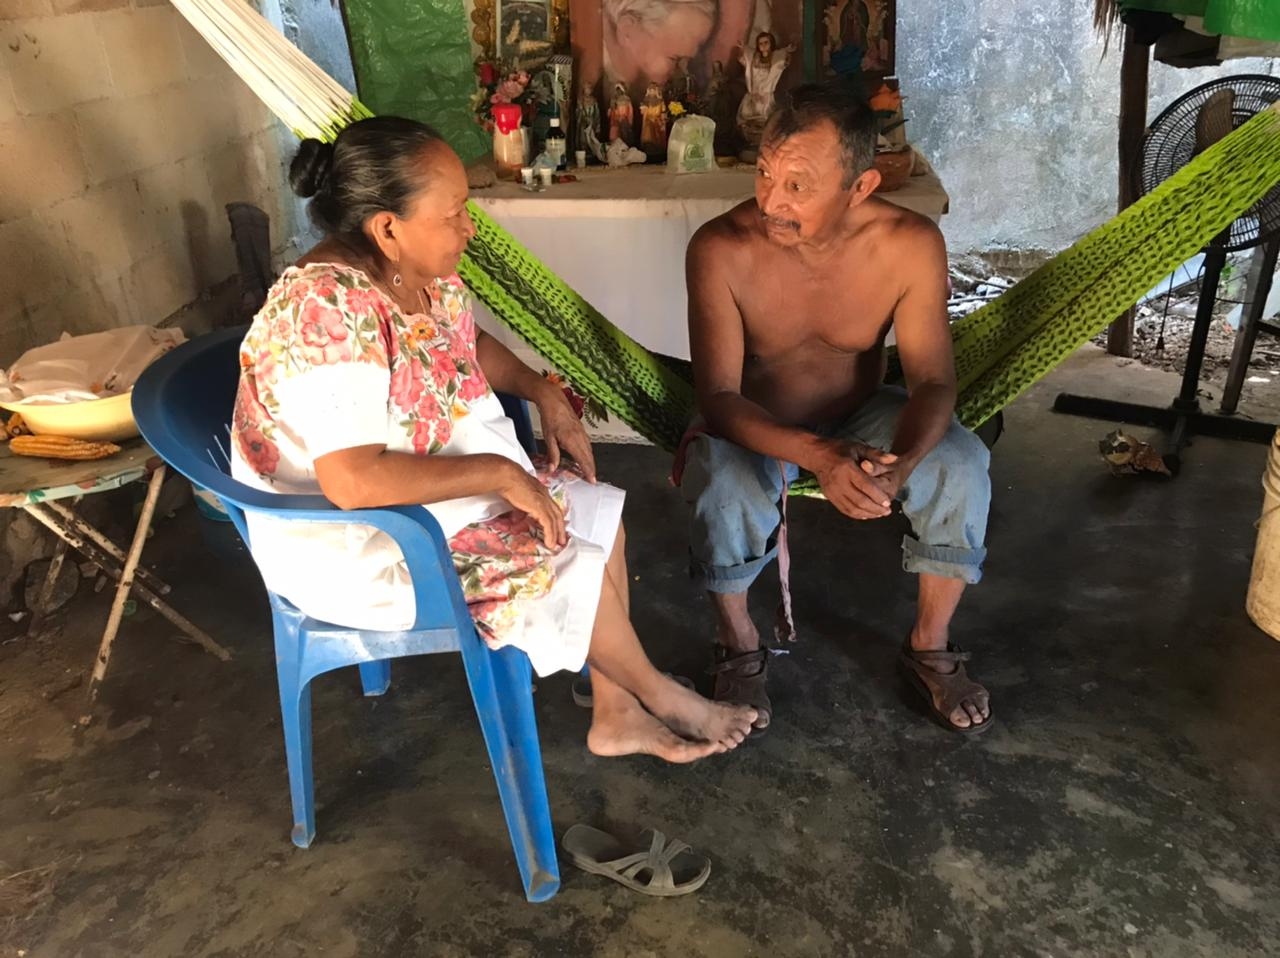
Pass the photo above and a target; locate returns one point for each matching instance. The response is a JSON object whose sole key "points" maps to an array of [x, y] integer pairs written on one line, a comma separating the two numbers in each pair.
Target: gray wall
{"points": [[1013, 103]]}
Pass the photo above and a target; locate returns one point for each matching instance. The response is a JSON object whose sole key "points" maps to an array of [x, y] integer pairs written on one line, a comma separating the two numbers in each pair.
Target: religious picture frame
{"points": [[859, 38], [523, 30]]}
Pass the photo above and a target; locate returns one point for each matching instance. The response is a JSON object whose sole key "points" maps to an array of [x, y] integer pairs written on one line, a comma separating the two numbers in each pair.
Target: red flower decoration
{"points": [[577, 402]]}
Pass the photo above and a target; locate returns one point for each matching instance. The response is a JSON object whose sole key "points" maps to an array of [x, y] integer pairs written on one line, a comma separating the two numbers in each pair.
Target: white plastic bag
{"points": [[691, 146], [78, 368]]}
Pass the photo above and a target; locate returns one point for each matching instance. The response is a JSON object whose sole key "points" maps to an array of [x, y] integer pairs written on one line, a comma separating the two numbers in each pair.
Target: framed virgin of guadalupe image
{"points": [[859, 37]]}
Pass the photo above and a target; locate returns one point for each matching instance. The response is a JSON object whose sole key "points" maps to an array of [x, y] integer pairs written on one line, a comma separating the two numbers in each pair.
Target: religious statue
{"points": [[680, 86], [764, 68], [586, 131], [653, 123], [719, 107], [621, 115]]}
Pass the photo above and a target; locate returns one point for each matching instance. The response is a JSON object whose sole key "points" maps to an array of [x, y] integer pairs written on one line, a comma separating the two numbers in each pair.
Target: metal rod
{"points": [[89, 532], [1261, 274], [80, 544], [1215, 258], [46, 589], [126, 582]]}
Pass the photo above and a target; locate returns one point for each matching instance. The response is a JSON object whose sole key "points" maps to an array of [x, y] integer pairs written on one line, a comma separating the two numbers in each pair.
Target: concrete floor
{"points": [[1126, 803]]}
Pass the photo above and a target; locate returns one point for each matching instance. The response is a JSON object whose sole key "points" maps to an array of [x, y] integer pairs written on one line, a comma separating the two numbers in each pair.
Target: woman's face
{"points": [[435, 230], [651, 52]]}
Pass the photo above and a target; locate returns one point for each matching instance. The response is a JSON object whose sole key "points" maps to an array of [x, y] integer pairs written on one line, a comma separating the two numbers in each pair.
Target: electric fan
{"points": [[1190, 125]]}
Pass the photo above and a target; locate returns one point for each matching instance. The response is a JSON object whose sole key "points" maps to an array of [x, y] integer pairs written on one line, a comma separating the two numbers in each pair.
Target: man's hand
{"points": [[889, 477], [853, 478], [563, 430], [531, 497]]}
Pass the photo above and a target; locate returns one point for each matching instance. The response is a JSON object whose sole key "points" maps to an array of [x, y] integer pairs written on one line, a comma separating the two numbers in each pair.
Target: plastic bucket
{"points": [[1263, 602]]}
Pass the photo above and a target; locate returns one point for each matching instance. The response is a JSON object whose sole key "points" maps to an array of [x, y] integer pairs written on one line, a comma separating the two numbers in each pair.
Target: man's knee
{"points": [[718, 472], [962, 457], [734, 501]]}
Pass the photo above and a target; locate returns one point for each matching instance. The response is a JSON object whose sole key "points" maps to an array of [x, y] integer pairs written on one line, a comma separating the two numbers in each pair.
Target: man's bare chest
{"points": [[843, 310]]}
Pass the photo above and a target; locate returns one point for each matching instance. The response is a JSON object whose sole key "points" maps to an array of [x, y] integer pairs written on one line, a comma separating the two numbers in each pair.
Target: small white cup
{"points": [[580, 157], [545, 175], [526, 175]]}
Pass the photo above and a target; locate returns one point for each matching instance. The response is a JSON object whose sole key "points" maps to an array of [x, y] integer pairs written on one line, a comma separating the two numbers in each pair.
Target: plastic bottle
{"points": [[556, 145]]}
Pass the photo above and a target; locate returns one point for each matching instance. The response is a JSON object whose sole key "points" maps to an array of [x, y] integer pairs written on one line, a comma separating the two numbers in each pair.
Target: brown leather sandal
{"points": [[955, 687], [740, 679]]}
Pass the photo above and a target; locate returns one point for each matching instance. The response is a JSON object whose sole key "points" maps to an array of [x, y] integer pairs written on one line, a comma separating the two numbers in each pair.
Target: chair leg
{"points": [[501, 688], [295, 717], [375, 676]]}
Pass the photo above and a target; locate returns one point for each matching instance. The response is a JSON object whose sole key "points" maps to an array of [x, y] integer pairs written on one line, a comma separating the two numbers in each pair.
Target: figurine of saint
{"points": [[586, 131], [719, 107], [764, 68], [653, 123], [621, 115], [680, 86]]}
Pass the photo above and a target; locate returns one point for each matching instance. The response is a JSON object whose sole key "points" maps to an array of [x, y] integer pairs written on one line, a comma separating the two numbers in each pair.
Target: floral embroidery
{"points": [[325, 315]]}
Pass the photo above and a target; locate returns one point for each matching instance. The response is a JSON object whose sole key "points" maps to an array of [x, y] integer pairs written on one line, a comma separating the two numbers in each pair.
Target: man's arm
{"points": [[923, 337], [561, 428]]}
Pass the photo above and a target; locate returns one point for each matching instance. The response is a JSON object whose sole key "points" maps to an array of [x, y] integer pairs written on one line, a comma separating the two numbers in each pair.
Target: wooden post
{"points": [[1134, 69]]}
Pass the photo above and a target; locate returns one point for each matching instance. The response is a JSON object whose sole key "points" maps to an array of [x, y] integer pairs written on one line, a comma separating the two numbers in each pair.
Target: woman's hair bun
{"points": [[309, 171]]}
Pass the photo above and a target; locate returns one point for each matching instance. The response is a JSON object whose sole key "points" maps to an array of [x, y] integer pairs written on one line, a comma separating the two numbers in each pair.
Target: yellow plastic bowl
{"points": [[109, 419]]}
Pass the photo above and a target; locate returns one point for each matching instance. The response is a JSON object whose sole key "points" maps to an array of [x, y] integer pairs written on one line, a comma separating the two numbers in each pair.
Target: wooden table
{"points": [[48, 489]]}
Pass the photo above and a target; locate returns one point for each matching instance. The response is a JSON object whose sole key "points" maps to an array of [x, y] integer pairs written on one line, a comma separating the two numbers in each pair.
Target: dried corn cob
{"points": [[16, 426], [61, 447]]}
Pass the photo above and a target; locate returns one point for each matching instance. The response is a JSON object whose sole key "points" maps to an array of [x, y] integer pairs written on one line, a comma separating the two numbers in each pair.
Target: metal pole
{"points": [[1261, 275]]}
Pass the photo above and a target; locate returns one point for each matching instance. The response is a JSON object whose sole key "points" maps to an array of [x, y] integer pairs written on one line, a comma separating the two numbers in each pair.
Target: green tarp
{"points": [[1258, 19], [413, 58]]}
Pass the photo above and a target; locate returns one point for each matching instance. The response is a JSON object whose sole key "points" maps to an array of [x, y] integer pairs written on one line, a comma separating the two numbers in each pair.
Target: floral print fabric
{"points": [[329, 363]]}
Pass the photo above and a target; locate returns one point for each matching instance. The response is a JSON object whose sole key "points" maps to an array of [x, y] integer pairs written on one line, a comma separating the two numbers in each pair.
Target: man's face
{"points": [[798, 186], [764, 45]]}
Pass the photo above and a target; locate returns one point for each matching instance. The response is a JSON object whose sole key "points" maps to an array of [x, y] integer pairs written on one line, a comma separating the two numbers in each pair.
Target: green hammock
{"points": [[1001, 350]]}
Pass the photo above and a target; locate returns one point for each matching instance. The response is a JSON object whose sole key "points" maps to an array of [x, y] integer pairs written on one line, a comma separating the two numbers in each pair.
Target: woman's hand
{"points": [[563, 430], [531, 497]]}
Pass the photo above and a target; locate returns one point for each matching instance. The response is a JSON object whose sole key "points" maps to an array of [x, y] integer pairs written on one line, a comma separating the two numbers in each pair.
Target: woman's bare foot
{"points": [[687, 713], [625, 728]]}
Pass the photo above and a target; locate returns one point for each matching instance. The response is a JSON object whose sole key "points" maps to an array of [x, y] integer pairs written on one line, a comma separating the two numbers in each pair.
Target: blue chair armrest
{"points": [[436, 588]]}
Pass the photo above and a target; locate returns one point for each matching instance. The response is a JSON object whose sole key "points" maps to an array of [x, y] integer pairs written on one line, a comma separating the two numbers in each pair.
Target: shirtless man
{"points": [[791, 296]]}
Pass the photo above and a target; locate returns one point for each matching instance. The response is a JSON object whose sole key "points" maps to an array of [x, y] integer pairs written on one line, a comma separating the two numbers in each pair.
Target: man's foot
{"points": [[627, 729], [956, 701], [740, 677], [687, 713]]}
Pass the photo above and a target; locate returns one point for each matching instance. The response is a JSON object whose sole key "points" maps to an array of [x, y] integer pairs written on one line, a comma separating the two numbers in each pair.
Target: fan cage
{"points": [[1170, 144]]}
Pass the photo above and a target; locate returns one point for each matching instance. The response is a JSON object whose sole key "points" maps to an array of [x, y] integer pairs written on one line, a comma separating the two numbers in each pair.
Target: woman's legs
{"points": [[616, 569], [623, 679]]}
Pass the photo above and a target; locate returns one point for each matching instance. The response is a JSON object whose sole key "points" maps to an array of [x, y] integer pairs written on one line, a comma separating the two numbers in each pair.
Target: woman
{"points": [[363, 378]]}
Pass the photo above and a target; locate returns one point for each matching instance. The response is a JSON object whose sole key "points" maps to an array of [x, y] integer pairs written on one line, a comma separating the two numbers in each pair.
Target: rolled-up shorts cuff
{"points": [[728, 580], [952, 562]]}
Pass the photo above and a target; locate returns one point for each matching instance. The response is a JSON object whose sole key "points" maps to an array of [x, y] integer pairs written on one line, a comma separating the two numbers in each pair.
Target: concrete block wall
{"points": [[122, 137]]}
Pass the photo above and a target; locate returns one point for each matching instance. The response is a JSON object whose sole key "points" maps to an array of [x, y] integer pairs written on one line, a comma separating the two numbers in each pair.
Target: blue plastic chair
{"points": [[183, 405]]}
